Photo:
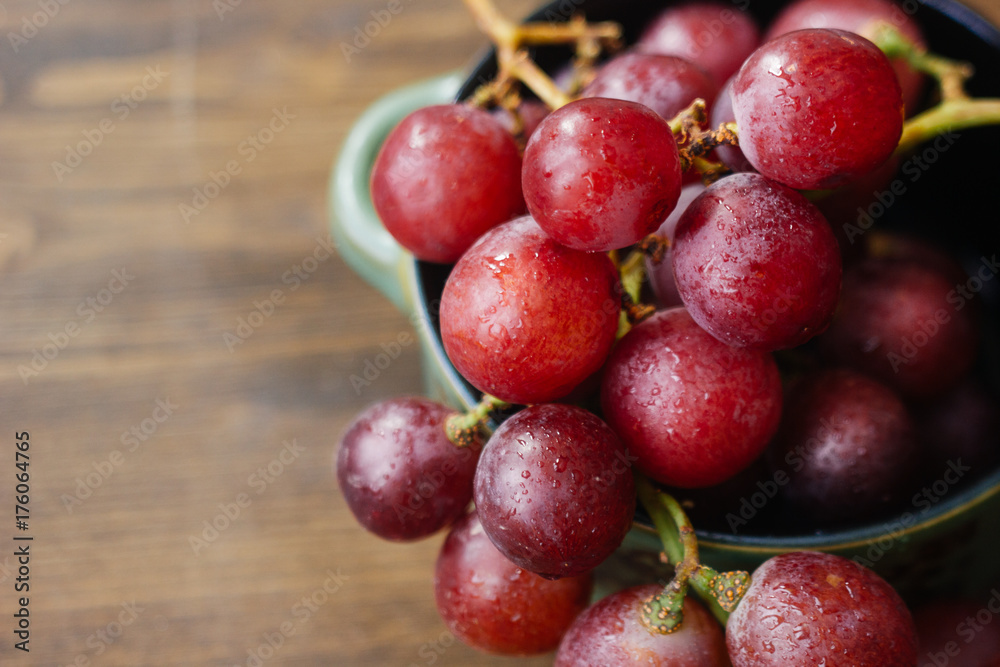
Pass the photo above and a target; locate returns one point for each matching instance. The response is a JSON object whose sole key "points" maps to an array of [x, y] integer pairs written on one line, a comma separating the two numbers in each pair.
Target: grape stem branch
{"points": [[721, 592], [510, 40], [956, 110], [472, 427]]}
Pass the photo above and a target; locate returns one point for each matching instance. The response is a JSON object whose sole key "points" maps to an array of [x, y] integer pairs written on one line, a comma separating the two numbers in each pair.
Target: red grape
{"points": [[693, 410], [847, 445], [959, 632], [861, 17], [526, 319], [554, 490], [904, 322], [446, 174], [810, 608], [756, 264], [495, 606], [817, 108], [601, 174], [400, 475], [610, 634], [715, 35], [665, 84]]}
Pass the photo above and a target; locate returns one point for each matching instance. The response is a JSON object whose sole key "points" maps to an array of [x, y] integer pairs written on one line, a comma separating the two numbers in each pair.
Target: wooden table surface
{"points": [[150, 413]]}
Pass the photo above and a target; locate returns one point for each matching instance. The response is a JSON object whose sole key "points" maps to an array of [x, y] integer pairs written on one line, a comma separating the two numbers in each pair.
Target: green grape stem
{"points": [[720, 592], [472, 427], [956, 110]]}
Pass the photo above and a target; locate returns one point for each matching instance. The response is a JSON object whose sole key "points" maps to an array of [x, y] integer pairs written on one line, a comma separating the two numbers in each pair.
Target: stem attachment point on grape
{"points": [[472, 428]]}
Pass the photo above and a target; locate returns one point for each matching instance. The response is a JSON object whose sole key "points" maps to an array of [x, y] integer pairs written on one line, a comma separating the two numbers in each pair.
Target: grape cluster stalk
{"points": [[648, 288]]}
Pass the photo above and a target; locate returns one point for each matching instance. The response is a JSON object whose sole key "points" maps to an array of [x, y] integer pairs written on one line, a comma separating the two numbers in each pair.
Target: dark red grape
{"points": [[963, 426], [401, 477], [905, 323], [527, 319], [846, 443], [665, 84], [446, 174], [661, 274], [693, 410], [859, 16], [756, 263], [817, 108], [715, 35], [601, 174], [495, 606], [810, 608], [610, 634], [554, 490], [959, 632]]}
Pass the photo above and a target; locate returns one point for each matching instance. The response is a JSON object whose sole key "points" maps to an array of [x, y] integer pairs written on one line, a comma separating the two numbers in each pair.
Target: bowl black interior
{"points": [[947, 197]]}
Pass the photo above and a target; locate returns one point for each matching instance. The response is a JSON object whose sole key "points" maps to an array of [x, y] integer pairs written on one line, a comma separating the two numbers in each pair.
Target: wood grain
{"points": [[144, 413]]}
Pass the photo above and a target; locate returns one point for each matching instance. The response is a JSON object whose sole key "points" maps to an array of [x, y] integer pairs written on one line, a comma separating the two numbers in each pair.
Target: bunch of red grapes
{"points": [[774, 342]]}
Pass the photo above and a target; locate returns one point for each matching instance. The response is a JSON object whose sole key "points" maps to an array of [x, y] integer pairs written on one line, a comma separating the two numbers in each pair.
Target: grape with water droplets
{"points": [[600, 174], [610, 634], [495, 606], [400, 475], [526, 319], [811, 608], [554, 490], [817, 108]]}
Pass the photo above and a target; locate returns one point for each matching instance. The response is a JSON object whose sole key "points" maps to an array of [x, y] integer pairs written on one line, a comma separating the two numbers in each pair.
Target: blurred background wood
{"points": [[146, 421]]}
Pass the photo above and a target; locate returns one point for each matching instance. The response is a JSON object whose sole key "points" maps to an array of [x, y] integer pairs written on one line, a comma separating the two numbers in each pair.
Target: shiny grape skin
{"points": [[444, 175], [817, 108], [600, 174], [757, 264], [661, 274], [526, 319], [610, 634], [401, 477], [693, 410], [857, 16], [665, 84], [714, 35], [494, 606], [810, 608], [847, 445], [903, 322], [554, 490]]}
